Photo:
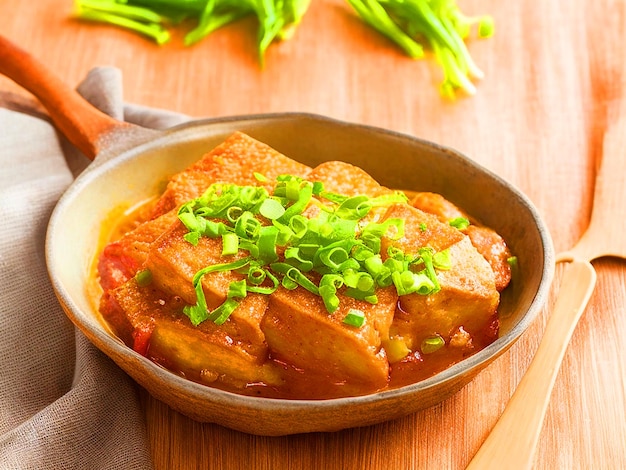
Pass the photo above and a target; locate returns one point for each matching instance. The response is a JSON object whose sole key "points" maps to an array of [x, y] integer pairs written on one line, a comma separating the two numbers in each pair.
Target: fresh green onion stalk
{"points": [[438, 25], [414, 25], [277, 19]]}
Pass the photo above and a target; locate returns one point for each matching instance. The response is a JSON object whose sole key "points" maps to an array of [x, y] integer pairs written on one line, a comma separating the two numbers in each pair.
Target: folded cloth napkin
{"points": [[63, 404]]}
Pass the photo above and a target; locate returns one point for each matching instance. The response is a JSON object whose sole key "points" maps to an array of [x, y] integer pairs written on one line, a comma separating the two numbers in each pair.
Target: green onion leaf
{"points": [[267, 244], [143, 278], [460, 223], [355, 318], [432, 344], [230, 244], [442, 260], [271, 209], [221, 313], [260, 177], [237, 289], [303, 198], [192, 237]]}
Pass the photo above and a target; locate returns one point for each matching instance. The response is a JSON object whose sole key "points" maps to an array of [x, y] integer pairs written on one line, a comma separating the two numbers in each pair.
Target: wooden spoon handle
{"points": [[512, 442], [82, 124]]}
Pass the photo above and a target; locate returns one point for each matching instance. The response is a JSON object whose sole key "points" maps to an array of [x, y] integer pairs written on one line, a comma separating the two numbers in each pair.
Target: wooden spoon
{"points": [[513, 440], [85, 126]]}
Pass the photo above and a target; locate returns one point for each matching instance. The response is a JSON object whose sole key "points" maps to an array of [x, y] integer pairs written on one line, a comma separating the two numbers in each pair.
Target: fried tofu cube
{"points": [[122, 259], [349, 180], [467, 301], [300, 331], [420, 230], [344, 178], [495, 250], [438, 205], [488, 243], [233, 161], [206, 353], [173, 262], [467, 298]]}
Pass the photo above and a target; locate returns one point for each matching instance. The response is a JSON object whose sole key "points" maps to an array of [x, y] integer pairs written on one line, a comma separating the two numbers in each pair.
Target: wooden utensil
{"points": [[513, 440]]}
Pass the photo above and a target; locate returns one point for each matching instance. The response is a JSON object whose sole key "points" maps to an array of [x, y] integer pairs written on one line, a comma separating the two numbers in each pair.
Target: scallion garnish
{"points": [[354, 318], [230, 244], [143, 277], [460, 223], [432, 344], [337, 250], [200, 312], [271, 209]]}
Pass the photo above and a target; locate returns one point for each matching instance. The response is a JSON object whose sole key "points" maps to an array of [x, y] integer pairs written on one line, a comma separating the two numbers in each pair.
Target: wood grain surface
{"points": [[538, 120]]}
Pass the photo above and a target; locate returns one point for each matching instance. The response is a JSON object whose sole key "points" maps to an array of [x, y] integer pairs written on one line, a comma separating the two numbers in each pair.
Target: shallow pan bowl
{"points": [[395, 160]]}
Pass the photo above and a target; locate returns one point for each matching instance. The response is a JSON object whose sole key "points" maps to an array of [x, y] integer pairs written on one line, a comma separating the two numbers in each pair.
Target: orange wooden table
{"points": [[537, 120]]}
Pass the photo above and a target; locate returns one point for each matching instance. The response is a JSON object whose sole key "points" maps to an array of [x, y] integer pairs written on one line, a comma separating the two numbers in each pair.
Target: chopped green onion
{"points": [[256, 275], [267, 244], [143, 277], [302, 201], [354, 318], [199, 312], [247, 226], [192, 237], [260, 177], [230, 244], [265, 290], [295, 256], [221, 313], [354, 208], [374, 264], [408, 282], [338, 246], [237, 289], [328, 290], [188, 219], [442, 260], [460, 223], [359, 280], [271, 209], [426, 255], [432, 344]]}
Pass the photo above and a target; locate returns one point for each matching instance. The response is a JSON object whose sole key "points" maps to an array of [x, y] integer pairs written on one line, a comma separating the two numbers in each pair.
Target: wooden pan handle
{"points": [[512, 442], [79, 121]]}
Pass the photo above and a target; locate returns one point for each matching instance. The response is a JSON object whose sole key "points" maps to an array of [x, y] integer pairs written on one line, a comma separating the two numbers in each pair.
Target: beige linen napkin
{"points": [[63, 404]]}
